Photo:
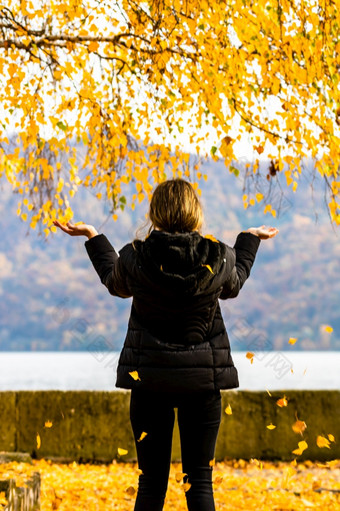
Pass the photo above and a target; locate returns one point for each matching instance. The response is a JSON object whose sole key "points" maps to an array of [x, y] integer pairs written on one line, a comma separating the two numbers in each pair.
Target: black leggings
{"points": [[199, 417]]}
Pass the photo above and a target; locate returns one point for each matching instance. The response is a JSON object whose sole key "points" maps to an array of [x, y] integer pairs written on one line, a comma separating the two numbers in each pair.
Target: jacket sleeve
{"points": [[245, 250], [108, 265]]}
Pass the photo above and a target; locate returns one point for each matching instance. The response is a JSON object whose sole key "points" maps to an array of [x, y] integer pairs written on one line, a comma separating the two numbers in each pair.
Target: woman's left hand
{"points": [[77, 230]]}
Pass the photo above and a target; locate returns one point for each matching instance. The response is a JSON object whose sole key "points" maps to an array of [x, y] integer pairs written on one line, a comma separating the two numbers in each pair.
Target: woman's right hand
{"points": [[77, 229], [263, 232]]}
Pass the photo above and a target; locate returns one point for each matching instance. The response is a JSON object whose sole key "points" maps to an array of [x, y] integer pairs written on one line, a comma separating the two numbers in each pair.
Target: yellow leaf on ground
{"points": [[212, 462], [3, 500]]}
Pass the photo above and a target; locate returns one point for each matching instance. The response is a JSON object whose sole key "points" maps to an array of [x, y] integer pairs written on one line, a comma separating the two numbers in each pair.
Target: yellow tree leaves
{"points": [[105, 95]]}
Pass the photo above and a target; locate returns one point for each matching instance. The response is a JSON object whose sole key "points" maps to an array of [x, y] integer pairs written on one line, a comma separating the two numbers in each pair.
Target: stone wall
{"points": [[91, 425]]}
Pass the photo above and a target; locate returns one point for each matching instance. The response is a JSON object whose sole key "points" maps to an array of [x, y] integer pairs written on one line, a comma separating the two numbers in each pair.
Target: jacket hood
{"points": [[183, 262]]}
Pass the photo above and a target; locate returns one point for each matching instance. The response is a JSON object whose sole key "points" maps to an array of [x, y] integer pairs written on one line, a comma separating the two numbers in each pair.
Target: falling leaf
{"points": [[179, 476], [271, 426], [143, 435], [292, 340], [321, 441], [316, 485], [302, 446], [250, 355], [208, 267], [122, 452], [38, 441], [269, 394], [332, 463], [130, 491], [328, 329], [282, 402], [331, 437], [289, 473], [228, 410], [299, 427], [48, 424], [135, 375]]}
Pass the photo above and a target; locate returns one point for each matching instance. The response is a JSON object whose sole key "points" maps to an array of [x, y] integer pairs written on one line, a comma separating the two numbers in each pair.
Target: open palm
{"points": [[76, 229], [264, 232]]}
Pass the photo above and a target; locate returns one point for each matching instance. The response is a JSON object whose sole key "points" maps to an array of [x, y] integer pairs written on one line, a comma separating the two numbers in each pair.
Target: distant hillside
{"points": [[52, 299]]}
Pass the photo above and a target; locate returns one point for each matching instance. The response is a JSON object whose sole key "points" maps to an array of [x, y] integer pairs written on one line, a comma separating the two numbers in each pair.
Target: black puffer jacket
{"points": [[176, 338]]}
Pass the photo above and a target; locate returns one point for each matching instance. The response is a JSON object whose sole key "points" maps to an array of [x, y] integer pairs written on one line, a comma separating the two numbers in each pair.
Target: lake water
{"points": [[274, 370]]}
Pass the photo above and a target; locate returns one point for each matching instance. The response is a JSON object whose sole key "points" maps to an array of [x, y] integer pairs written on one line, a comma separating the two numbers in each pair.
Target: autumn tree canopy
{"points": [[102, 94]]}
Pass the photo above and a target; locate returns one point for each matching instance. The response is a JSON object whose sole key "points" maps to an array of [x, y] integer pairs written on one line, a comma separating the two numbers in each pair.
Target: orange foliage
{"points": [[106, 94], [238, 485]]}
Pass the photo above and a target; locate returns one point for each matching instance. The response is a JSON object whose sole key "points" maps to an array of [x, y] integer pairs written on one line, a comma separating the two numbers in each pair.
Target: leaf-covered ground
{"points": [[238, 485]]}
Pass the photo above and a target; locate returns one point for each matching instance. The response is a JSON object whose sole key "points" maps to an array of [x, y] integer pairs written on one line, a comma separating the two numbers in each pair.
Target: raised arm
{"points": [[79, 229], [245, 249], [103, 256]]}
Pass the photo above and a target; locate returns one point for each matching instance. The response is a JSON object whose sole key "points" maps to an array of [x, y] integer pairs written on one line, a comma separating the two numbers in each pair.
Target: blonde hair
{"points": [[175, 207]]}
